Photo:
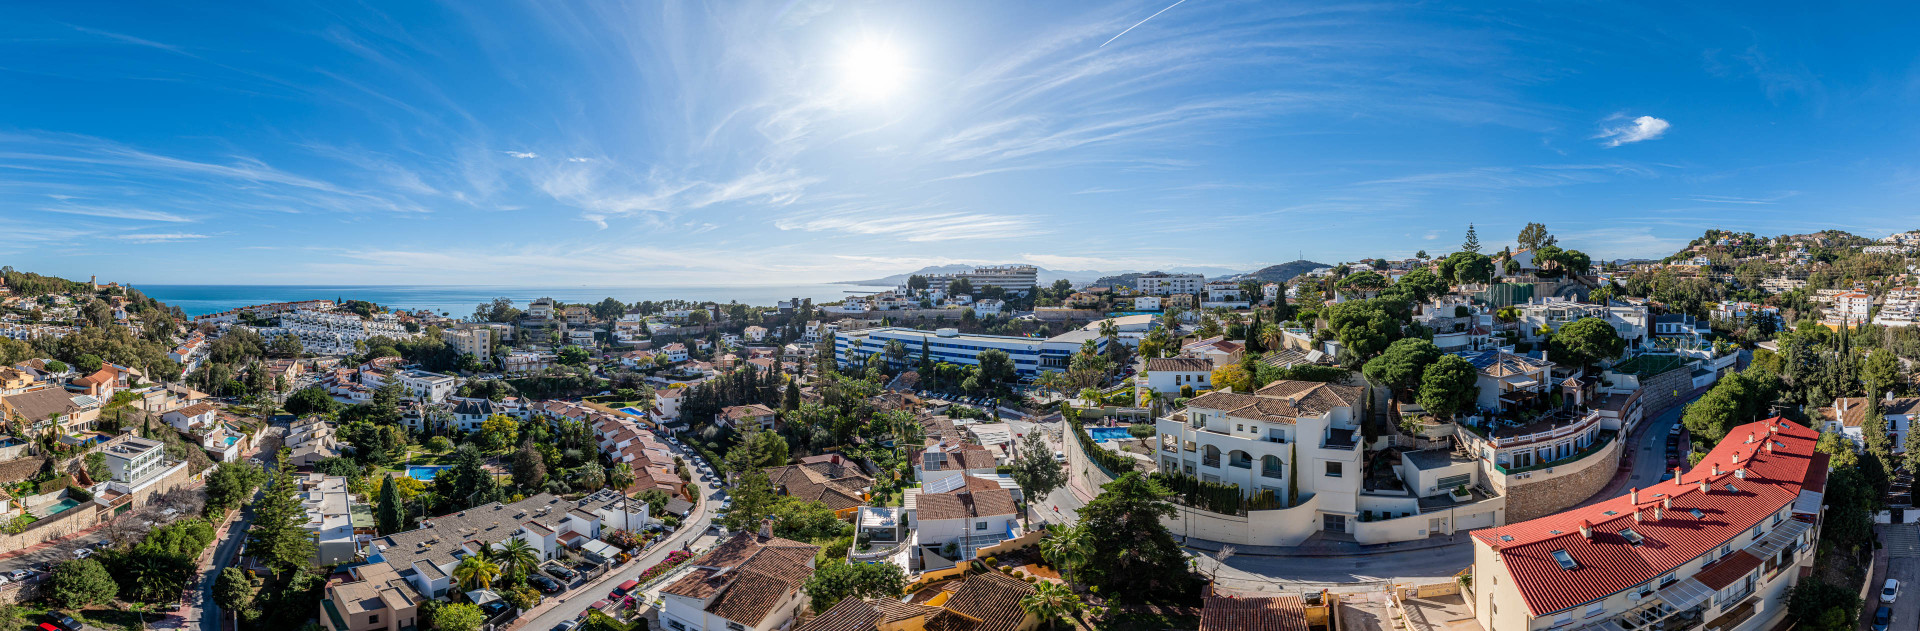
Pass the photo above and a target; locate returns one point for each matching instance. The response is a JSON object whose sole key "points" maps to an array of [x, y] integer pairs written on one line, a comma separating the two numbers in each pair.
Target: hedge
{"points": [[1215, 497]]}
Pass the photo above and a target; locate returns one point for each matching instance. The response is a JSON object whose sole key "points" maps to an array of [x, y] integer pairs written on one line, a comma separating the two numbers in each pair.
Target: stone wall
{"points": [[24, 591], [1538, 493], [71, 521], [1658, 392]]}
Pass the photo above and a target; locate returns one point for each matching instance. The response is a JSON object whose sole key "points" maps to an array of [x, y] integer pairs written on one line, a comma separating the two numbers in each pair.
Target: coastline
{"points": [[460, 300]]}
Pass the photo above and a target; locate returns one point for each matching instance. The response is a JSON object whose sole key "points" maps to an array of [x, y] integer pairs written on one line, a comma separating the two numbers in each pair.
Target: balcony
{"points": [[1243, 463], [1210, 461], [1270, 473], [1341, 439]]}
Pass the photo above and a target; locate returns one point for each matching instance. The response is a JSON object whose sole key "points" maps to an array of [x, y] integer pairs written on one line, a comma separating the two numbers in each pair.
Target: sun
{"points": [[873, 69]]}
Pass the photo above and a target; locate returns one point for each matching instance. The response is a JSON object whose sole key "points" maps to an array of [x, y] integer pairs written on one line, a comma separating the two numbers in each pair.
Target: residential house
{"points": [[989, 307], [332, 517], [965, 512], [52, 408], [427, 555], [948, 459], [676, 352], [1851, 308], [311, 440], [1508, 380], [836, 482], [983, 602], [1146, 303], [750, 582], [740, 416], [377, 599], [1168, 375], [188, 418], [1266, 612], [1848, 415]]}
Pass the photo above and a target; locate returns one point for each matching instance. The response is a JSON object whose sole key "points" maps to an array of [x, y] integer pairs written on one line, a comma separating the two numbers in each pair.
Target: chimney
{"points": [[1716, 470], [1666, 502], [1705, 486], [1736, 457], [1586, 529], [1659, 513], [1633, 495], [1770, 445], [1749, 438], [1676, 474], [1637, 514], [766, 528]]}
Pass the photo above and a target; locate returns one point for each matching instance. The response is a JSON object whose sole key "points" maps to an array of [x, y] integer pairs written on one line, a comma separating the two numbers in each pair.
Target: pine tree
{"points": [[279, 534], [1473, 241], [389, 515]]}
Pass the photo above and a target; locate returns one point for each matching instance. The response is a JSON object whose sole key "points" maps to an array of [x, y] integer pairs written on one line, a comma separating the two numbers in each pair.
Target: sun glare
{"points": [[873, 69]]}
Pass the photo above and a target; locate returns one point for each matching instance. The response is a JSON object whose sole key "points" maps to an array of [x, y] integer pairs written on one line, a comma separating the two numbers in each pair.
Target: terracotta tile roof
{"points": [[763, 571], [739, 412], [961, 457], [1260, 613], [1778, 460], [1179, 364], [979, 498], [987, 602], [812, 483], [195, 409]]}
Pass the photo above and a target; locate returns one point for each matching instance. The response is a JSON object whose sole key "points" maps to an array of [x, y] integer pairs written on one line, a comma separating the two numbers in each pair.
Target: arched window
{"points": [[1270, 467]]}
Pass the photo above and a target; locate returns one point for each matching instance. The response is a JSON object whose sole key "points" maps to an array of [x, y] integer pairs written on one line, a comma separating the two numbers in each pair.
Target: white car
{"points": [[1890, 591], [83, 553]]}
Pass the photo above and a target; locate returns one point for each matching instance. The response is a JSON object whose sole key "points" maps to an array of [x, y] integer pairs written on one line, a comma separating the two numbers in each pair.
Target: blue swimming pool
{"points": [[423, 473], [634, 411], [232, 439], [65, 504], [1104, 434]]}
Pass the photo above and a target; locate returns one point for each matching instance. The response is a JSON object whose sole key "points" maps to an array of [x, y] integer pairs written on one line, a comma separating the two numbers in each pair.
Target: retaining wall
{"points": [[1547, 491]]}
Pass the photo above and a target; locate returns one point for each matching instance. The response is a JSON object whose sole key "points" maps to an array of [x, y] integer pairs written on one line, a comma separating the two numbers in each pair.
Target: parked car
{"points": [[83, 553], [48, 627], [20, 575], [1882, 618], [494, 608], [1890, 591], [560, 572], [566, 626], [544, 584], [67, 622]]}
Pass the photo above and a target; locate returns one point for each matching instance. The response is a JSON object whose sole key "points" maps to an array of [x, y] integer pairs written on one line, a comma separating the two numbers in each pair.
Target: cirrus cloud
{"points": [[1636, 130]]}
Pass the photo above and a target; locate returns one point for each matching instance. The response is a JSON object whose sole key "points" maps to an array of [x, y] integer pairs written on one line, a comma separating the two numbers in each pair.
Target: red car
{"points": [[48, 626]]}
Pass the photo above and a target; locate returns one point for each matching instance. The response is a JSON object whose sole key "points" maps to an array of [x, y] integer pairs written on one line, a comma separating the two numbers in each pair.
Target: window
{"points": [[1596, 608], [1566, 560], [1333, 469], [1239, 427], [1631, 536], [373, 619], [979, 525], [735, 626], [1667, 579]]}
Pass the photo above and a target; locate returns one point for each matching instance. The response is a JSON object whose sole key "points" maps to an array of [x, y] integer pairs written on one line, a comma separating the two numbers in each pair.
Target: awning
{"points": [[1686, 593], [482, 596], [1808, 503], [1785, 535]]}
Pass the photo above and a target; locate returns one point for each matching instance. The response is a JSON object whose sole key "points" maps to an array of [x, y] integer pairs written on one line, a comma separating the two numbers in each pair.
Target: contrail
{"points": [[1137, 24]]}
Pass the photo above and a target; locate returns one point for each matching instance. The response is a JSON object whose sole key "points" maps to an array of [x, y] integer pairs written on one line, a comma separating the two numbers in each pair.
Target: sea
{"points": [[458, 301]]}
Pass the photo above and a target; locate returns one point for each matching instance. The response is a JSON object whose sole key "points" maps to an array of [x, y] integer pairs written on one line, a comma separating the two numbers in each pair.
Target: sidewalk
{"points": [[1331, 548]]}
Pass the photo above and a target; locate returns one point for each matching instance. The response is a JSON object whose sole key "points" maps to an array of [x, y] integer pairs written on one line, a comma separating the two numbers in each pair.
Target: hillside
{"points": [[1046, 276], [1280, 273]]}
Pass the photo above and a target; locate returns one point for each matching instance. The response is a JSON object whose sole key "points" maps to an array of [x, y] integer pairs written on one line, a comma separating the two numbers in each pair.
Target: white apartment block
{"points": [[1630, 321], [1254, 439], [1030, 355], [1169, 284], [1854, 307], [329, 506], [469, 341], [333, 332], [1013, 278], [430, 387]]}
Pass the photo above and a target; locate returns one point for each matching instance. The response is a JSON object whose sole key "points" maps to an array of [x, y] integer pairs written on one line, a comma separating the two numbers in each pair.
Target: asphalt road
{"points": [[227, 549], [1903, 563], [1266, 573], [574, 602]]}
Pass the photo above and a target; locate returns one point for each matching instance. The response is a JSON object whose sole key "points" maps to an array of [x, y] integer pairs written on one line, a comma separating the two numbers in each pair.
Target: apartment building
{"points": [[333, 332], [1851, 307], [1030, 355], [1632, 322], [1716, 547], [470, 341], [1161, 284], [1016, 279], [1256, 440]]}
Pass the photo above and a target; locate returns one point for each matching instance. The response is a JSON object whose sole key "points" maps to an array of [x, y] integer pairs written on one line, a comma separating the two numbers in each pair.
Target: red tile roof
{"points": [[1261, 613], [1728, 570], [1607, 563]]}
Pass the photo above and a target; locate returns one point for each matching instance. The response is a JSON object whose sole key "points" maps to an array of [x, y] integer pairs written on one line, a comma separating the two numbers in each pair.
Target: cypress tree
{"points": [[1472, 243], [388, 515]]}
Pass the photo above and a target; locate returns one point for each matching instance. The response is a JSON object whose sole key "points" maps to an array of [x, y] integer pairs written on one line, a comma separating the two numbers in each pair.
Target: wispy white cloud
{"points": [[523, 155], [915, 226], [131, 214], [162, 237], [1636, 130], [576, 159]]}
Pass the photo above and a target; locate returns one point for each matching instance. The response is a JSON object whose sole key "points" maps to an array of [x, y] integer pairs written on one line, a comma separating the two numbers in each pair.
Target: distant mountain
{"points": [[1046, 276], [1280, 273]]}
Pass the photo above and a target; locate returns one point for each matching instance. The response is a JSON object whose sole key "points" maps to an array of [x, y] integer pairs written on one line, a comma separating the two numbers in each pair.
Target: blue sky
{"points": [[664, 143]]}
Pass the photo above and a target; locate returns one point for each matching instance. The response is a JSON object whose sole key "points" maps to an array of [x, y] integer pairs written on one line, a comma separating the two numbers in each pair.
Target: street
{"points": [[574, 602], [1902, 563], [200, 606]]}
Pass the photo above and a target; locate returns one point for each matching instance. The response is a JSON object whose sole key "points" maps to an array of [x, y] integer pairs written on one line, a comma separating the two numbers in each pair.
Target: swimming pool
{"points": [[634, 411], [65, 504], [1104, 434], [424, 473], [232, 439]]}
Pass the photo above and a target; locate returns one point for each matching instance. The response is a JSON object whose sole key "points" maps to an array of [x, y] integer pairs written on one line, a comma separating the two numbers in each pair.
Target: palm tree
{"points": [[1065, 547], [476, 572], [515, 556], [1050, 601], [1272, 336], [620, 477]]}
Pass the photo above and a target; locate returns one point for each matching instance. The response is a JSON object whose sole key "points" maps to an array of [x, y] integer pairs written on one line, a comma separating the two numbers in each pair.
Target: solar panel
{"points": [[945, 485]]}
